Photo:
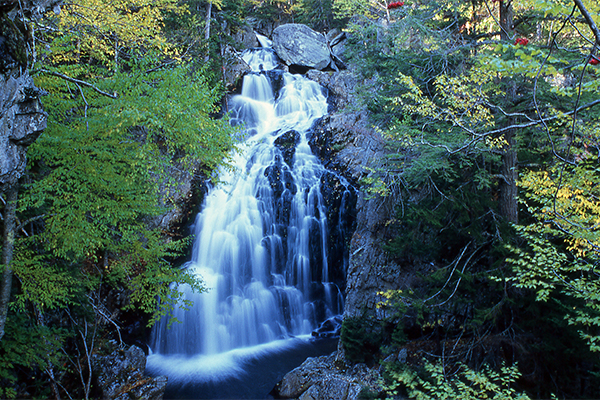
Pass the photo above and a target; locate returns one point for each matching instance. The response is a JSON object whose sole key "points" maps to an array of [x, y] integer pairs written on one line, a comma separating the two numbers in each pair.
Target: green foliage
{"points": [[360, 337], [101, 34], [560, 252], [127, 117], [367, 8], [440, 381], [26, 345], [99, 166], [318, 14], [456, 102]]}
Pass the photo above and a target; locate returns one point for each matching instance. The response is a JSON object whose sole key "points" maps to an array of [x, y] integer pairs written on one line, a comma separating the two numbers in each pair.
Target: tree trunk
{"points": [[508, 183], [207, 29], [506, 20], [7, 252]]}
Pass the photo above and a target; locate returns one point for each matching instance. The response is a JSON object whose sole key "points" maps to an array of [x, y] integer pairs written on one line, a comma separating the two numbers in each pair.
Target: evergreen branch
{"points": [[80, 82]]}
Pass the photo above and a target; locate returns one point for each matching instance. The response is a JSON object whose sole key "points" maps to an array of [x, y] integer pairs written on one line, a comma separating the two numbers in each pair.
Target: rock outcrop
{"points": [[21, 116], [346, 139], [22, 120], [120, 376], [320, 378], [298, 45]]}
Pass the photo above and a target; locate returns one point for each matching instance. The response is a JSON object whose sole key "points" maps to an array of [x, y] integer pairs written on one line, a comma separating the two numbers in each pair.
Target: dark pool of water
{"points": [[240, 374]]}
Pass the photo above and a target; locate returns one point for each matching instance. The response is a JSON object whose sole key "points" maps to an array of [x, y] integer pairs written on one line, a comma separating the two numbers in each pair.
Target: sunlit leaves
{"points": [[439, 381], [98, 30], [563, 244], [99, 166]]}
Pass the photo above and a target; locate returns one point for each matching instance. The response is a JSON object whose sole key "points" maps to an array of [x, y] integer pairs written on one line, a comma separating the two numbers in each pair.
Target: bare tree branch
{"points": [[479, 136], [589, 20], [80, 82]]}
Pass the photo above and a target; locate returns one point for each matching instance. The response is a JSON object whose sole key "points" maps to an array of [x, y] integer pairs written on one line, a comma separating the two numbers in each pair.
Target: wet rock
{"points": [[340, 201], [319, 378], [331, 327], [276, 78], [284, 188], [297, 44], [286, 143], [120, 376], [245, 37], [348, 144]]}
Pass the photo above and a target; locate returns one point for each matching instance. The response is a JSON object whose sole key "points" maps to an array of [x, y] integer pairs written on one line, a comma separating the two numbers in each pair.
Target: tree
{"points": [[466, 97]]}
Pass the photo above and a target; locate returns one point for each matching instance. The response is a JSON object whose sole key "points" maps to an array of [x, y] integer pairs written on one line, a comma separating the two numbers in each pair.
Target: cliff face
{"points": [[22, 118], [21, 122], [354, 146], [347, 143]]}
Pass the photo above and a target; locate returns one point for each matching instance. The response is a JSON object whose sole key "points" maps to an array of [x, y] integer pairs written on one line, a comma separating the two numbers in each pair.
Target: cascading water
{"points": [[264, 239]]}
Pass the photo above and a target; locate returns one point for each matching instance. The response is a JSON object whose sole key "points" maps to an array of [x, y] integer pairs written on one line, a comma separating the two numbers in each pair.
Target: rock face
{"points": [[320, 379], [299, 45], [21, 116], [120, 376], [234, 69], [22, 120], [346, 143], [346, 138]]}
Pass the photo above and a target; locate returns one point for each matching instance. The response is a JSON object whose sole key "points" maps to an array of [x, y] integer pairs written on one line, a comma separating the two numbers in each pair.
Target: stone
{"points": [[286, 143], [297, 44], [333, 388], [234, 69], [245, 37], [22, 120], [297, 381], [120, 376], [346, 140], [319, 379]]}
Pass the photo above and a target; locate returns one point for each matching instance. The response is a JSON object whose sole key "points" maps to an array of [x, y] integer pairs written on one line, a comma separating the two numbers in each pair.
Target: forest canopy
{"points": [[491, 111]]}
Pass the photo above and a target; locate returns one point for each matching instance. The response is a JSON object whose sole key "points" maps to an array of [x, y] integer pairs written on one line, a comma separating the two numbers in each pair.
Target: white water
{"points": [[261, 238]]}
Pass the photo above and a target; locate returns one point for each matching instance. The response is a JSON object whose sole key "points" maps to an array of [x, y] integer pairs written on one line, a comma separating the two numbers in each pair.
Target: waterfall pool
{"points": [[247, 373]]}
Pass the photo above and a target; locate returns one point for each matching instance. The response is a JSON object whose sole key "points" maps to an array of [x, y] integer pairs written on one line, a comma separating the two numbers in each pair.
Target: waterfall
{"points": [[264, 238]]}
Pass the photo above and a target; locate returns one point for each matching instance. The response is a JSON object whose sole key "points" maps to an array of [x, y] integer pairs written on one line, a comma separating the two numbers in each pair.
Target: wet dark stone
{"points": [[286, 143], [276, 78], [331, 327], [315, 239], [340, 202], [284, 188]]}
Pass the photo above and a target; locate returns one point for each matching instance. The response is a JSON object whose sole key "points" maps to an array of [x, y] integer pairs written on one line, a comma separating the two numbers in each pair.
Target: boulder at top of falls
{"points": [[297, 44]]}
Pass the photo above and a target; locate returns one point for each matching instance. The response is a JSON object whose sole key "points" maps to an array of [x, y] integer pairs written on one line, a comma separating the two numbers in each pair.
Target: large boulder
{"points": [[319, 379], [299, 45], [120, 376]]}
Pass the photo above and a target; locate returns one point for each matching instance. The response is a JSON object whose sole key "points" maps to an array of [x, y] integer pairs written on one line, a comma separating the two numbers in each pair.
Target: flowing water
{"points": [[269, 241]]}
